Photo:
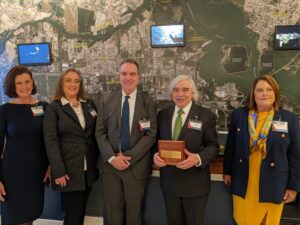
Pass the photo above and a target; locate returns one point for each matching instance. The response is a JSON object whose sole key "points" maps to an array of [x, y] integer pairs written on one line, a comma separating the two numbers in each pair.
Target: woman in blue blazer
{"points": [[262, 156]]}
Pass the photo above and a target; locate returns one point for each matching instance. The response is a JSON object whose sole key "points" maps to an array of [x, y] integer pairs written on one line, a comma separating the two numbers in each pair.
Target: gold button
{"points": [[283, 135], [241, 160], [238, 129], [272, 164]]}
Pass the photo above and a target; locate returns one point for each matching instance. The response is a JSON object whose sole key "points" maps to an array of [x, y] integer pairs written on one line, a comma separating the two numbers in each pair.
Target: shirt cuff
{"points": [[199, 159], [111, 159]]}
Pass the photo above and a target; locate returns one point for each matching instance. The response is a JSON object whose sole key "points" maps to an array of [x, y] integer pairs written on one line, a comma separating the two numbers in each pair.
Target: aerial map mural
{"points": [[227, 44]]}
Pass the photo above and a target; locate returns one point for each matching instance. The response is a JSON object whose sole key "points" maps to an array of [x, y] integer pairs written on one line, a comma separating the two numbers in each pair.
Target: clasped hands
{"points": [[191, 160], [121, 161]]}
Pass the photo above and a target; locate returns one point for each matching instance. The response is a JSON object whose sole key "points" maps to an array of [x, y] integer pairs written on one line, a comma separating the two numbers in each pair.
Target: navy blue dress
{"points": [[23, 163]]}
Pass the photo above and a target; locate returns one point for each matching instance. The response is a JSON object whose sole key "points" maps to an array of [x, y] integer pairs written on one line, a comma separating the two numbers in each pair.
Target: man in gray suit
{"points": [[186, 185], [125, 132]]}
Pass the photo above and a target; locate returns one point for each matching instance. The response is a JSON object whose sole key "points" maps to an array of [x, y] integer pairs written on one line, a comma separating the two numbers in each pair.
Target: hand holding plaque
{"points": [[171, 151]]}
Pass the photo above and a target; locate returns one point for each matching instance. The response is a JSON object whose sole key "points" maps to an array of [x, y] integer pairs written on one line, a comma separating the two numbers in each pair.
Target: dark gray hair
{"points": [[131, 61]]}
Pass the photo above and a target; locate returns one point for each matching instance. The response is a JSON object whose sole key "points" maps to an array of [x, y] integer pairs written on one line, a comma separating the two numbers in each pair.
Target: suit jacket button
{"points": [[238, 129], [272, 164], [241, 161]]}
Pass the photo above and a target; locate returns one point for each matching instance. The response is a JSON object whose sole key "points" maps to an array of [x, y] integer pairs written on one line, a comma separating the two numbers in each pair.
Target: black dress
{"points": [[23, 164]]}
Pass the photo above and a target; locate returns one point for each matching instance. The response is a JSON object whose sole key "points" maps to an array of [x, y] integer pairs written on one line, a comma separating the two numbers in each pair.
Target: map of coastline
{"points": [[228, 44]]}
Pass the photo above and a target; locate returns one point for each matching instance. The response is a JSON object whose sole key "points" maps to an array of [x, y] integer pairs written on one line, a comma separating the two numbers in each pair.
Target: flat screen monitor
{"points": [[287, 37], [167, 35], [34, 54]]}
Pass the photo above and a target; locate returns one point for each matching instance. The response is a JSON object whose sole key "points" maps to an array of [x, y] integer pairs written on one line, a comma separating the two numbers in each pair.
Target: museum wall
{"points": [[227, 44]]}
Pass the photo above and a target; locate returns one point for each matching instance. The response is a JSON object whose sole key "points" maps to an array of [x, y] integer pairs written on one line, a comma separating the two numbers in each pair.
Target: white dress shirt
{"points": [[79, 113], [131, 102], [186, 111]]}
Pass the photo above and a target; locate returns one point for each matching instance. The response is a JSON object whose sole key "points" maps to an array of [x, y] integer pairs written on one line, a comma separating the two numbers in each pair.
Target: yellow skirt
{"points": [[250, 211]]}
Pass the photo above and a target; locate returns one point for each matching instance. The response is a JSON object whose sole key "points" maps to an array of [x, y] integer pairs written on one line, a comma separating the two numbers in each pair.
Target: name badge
{"points": [[144, 125], [195, 125], [280, 126], [93, 113], [37, 110]]}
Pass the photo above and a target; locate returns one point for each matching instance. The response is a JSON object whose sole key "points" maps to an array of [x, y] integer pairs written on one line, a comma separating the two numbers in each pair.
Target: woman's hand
{"points": [[62, 181], [289, 196], [158, 161], [2, 192], [227, 180], [47, 176]]}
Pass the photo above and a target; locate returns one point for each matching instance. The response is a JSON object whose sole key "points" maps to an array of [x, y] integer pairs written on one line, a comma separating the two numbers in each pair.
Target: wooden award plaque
{"points": [[171, 151]]}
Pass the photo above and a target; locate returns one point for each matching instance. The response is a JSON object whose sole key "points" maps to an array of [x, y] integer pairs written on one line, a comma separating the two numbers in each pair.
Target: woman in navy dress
{"points": [[24, 164]]}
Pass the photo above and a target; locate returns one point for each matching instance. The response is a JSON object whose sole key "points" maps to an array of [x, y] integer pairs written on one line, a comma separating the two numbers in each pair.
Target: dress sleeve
{"points": [[2, 133], [2, 130]]}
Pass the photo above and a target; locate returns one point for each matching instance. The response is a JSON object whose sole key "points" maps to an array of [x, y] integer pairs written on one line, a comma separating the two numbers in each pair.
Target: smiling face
{"points": [[182, 93], [129, 77], [23, 85], [264, 96], [71, 85]]}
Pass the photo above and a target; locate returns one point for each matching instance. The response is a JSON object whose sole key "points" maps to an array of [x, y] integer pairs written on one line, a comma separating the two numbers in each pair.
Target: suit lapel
{"points": [[271, 135], [137, 109], [184, 128], [86, 113], [118, 103], [169, 122], [70, 112], [246, 134]]}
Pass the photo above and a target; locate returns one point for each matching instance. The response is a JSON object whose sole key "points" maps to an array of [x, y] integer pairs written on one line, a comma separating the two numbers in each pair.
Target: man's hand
{"points": [[158, 161], [191, 160], [120, 162]]}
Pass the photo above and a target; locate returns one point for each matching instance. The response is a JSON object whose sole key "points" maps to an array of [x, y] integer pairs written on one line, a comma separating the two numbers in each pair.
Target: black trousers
{"points": [[185, 210], [74, 205]]}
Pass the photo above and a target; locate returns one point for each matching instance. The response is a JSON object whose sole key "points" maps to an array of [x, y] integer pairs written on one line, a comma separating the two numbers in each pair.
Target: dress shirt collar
{"points": [[65, 101], [186, 109], [132, 95]]}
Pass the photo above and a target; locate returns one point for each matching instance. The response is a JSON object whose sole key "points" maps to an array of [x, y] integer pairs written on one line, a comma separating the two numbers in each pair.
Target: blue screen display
{"points": [[167, 35], [34, 54]]}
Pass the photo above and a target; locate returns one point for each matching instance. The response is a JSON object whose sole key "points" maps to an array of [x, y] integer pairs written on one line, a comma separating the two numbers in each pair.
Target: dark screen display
{"points": [[287, 37]]}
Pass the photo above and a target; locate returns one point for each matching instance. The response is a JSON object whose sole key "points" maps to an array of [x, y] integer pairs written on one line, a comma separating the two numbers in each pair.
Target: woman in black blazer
{"points": [[69, 127]]}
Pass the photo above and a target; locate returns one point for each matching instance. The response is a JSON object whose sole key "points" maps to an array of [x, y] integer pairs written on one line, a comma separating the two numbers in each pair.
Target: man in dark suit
{"points": [[186, 185], [125, 132]]}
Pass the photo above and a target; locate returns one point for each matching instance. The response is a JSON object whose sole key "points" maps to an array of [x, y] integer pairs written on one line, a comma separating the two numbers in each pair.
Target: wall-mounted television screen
{"points": [[34, 54], [167, 35], [287, 37]]}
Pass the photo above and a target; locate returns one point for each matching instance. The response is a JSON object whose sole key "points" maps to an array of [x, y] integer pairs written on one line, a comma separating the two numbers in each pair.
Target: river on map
{"points": [[225, 24]]}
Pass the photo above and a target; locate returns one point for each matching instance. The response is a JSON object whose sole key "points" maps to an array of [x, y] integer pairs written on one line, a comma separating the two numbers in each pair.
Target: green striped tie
{"points": [[178, 125]]}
